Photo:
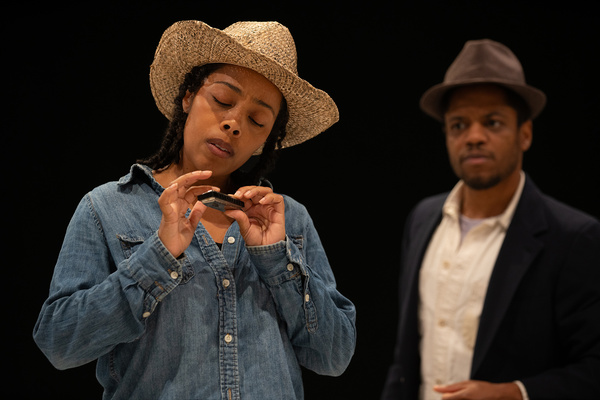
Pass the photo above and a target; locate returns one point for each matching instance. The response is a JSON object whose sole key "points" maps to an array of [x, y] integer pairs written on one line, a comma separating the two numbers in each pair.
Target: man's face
{"points": [[484, 143]]}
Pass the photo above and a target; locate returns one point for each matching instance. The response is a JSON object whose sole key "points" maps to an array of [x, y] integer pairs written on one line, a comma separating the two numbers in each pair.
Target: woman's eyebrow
{"points": [[239, 91], [230, 86]]}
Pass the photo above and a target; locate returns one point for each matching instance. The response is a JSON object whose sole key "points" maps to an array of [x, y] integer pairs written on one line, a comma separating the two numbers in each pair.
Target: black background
{"points": [[78, 112]]}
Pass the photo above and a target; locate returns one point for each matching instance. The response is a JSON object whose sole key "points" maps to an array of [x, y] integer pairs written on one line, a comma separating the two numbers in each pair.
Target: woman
{"points": [[177, 300]]}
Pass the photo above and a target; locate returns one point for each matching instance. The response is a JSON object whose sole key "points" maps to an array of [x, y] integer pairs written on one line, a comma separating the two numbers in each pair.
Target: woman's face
{"points": [[229, 118]]}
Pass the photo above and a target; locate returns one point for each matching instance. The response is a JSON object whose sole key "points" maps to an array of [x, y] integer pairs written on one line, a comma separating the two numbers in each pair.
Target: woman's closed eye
{"points": [[225, 104], [255, 122], [221, 103]]}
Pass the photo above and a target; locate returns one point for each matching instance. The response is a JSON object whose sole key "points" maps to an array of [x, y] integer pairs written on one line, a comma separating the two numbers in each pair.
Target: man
{"points": [[499, 294]]}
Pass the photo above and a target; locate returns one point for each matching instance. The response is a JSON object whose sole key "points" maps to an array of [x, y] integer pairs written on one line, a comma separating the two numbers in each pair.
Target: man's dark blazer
{"points": [[540, 322]]}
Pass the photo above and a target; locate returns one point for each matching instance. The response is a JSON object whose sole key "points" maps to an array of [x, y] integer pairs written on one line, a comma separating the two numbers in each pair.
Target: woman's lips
{"points": [[220, 148]]}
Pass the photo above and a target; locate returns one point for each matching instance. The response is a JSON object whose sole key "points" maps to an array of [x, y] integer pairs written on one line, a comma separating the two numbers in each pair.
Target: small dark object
{"points": [[220, 201]]}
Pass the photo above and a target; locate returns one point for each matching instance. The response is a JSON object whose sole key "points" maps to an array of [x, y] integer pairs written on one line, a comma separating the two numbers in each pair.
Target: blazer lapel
{"points": [[519, 249], [415, 254], [420, 231]]}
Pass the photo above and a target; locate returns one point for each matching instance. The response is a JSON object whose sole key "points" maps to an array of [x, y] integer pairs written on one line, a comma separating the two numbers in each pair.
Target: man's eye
{"points": [[457, 126]]}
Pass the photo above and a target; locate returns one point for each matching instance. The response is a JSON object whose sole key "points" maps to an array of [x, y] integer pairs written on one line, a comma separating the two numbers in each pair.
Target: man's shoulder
{"points": [[556, 212], [431, 204]]}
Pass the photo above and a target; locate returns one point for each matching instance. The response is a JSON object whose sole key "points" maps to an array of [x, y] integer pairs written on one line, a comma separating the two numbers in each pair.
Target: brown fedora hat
{"points": [[483, 61]]}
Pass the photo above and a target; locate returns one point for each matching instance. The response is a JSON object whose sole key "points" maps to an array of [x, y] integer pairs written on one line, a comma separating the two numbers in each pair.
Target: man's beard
{"points": [[481, 183]]}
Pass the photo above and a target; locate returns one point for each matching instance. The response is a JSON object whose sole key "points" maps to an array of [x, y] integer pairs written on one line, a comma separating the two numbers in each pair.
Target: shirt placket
{"points": [[450, 275], [227, 303]]}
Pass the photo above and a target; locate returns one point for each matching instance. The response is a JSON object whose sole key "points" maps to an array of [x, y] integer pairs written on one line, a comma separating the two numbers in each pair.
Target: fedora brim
{"points": [[188, 44], [432, 100]]}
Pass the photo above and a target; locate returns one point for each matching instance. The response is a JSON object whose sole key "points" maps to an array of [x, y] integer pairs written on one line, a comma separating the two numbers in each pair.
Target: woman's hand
{"points": [[176, 231], [263, 220]]}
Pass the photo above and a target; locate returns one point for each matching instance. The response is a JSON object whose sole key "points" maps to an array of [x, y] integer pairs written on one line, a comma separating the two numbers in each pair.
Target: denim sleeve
{"points": [[320, 321], [94, 304]]}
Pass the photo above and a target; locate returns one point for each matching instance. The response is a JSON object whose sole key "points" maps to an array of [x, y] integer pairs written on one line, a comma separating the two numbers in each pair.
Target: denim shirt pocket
{"points": [[131, 242]]}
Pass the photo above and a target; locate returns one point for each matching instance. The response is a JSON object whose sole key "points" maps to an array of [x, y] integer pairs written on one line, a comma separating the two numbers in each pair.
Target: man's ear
{"points": [[526, 135]]}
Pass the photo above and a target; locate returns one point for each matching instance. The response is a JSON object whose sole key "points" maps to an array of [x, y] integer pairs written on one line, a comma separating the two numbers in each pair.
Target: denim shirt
{"points": [[236, 323]]}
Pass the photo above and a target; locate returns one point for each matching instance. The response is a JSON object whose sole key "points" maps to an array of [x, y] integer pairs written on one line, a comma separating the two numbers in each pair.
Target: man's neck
{"points": [[489, 202]]}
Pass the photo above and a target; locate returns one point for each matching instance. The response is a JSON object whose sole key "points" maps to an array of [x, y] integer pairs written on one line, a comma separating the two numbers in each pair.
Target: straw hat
{"points": [[265, 47], [483, 61]]}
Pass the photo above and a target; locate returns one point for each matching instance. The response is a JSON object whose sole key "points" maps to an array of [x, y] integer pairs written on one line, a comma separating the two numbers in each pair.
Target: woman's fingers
{"points": [[176, 230], [188, 180], [263, 219]]}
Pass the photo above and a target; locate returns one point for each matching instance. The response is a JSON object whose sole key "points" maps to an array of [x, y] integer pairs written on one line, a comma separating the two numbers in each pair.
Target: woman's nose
{"points": [[231, 126]]}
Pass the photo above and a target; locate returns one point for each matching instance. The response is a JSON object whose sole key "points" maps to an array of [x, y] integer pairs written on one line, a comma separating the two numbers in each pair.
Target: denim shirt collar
{"points": [[140, 172], [144, 172]]}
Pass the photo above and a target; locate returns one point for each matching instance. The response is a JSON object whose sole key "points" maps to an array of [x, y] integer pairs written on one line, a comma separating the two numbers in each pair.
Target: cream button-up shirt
{"points": [[453, 282]]}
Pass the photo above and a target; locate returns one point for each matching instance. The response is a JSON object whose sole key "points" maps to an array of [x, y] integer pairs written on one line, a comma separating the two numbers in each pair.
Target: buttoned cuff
{"points": [[156, 271], [281, 263], [274, 262]]}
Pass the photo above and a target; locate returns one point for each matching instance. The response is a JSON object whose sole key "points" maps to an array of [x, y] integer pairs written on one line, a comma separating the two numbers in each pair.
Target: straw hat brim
{"points": [[432, 100], [187, 44]]}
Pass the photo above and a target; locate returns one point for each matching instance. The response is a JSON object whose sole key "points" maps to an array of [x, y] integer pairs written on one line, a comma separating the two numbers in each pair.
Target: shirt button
{"points": [[174, 275], [306, 297], [442, 323], [226, 283], [228, 338], [290, 267], [146, 314], [231, 240]]}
